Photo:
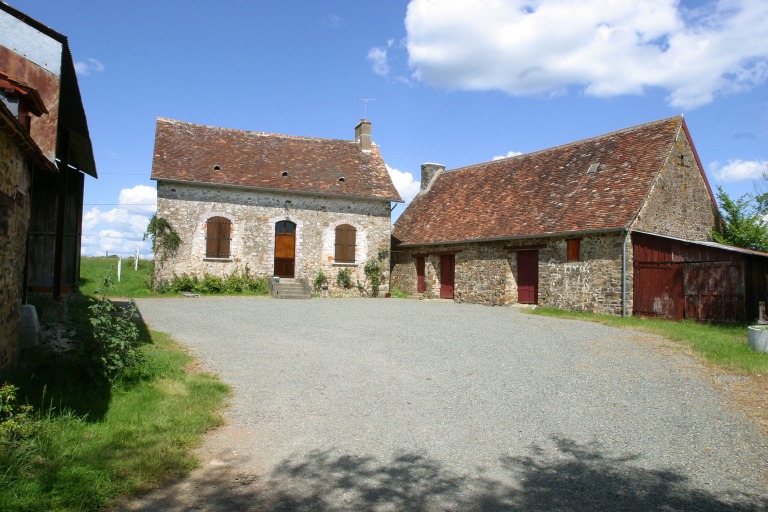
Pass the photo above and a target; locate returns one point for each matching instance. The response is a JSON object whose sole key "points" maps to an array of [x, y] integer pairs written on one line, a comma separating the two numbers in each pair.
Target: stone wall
{"points": [[486, 273], [14, 223], [254, 214], [679, 204]]}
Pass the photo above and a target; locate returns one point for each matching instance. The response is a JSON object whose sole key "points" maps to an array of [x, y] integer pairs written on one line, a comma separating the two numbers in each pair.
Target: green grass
{"points": [[133, 283], [97, 443], [724, 345]]}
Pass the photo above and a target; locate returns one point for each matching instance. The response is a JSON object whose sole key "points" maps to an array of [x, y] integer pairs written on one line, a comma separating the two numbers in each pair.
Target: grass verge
{"points": [[724, 345], [91, 443], [133, 283]]}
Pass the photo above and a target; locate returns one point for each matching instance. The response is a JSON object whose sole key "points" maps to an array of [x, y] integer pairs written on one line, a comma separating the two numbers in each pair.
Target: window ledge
{"points": [[223, 260], [344, 264]]}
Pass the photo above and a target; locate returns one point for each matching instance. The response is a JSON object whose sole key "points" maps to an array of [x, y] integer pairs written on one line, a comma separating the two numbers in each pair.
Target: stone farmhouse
{"points": [[271, 205], [45, 153], [563, 227]]}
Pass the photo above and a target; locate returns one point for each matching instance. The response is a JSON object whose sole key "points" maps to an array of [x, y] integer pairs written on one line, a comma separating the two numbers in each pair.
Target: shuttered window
{"points": [[574, 249], [218, 237], [345, 243]]}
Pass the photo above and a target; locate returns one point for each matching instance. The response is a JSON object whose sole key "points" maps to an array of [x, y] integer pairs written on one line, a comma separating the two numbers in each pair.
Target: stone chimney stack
{"points": [[428, 173], [363, 135]]}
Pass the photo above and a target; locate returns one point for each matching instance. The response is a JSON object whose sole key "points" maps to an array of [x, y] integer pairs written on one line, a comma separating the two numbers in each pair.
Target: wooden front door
{"points": [[285, 248], [420, 285], [447, 274], [527, 277]]}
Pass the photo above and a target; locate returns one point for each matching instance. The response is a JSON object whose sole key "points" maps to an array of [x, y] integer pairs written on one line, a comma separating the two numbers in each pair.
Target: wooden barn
{"points": [[696, 280]]}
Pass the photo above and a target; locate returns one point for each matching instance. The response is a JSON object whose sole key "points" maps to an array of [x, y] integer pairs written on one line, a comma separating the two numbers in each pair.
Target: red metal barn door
{"points": [[714, 291], [528, 277], [447, 275], [658, 290]]}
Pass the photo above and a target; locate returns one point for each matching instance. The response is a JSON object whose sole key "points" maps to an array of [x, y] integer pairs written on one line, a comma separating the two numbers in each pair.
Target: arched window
{"points": [[345, 243], [218, 237]]}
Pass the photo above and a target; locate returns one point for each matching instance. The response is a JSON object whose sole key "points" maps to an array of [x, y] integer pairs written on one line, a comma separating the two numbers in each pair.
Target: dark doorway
{"points": [[447, 273], [528, 277], [285, 248]]}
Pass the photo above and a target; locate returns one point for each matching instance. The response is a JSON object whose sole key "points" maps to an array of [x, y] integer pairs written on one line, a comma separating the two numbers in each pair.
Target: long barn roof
{"points": [[597, 184]]}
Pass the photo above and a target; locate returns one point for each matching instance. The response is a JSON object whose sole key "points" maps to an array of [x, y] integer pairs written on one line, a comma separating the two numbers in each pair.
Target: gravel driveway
{"points": [[360, 404]]}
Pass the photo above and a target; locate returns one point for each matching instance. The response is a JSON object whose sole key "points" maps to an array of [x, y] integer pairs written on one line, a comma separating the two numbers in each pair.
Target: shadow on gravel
{"points": [[573, 477]]}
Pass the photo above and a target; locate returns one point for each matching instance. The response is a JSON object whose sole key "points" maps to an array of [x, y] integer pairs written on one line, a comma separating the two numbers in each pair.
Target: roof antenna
{"points": [[365, 107]]}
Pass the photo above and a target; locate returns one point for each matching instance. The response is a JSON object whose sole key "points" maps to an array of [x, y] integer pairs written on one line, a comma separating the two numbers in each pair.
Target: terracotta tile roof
{"points": [[543, 193], [205, 154]]}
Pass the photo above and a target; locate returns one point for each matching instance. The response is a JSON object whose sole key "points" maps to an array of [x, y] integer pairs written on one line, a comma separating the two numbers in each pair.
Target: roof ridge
{"points": [[570, 144], [255, 133]]}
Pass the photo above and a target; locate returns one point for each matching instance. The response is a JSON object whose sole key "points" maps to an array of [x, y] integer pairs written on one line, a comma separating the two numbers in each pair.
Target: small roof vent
{"points": [[216, 167], [593, 169], [342, 179], [285, 173]]}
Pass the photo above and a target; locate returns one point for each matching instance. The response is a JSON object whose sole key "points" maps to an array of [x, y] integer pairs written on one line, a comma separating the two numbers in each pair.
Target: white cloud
{"points": [[508, 155], [739, 170], [88, 66], [120, 230], [378, 56], [405, 184], [601, 47]]}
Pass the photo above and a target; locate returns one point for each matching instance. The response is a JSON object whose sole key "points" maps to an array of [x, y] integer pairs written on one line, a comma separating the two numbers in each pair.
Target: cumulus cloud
{"points": [[405, 184], [379, 58], [120, 230], [88, 67], [739, 170], [508, 155], [603, 49]]}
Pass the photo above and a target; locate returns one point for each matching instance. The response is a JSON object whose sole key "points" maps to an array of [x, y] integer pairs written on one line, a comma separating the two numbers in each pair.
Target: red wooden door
{"points": [[527, 277], [658, 290], [447, 274], [285, 248], [420, 286]]}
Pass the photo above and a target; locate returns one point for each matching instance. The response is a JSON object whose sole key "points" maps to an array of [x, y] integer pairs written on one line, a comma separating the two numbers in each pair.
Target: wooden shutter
{"points": [[217, 237], [574, 249], [345, 243]]}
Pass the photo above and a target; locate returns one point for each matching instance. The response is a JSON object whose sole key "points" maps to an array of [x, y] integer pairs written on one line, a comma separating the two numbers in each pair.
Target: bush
{"points": [[16, 421], [344, 279], [320, 279], [233, 283], [112, 346]]}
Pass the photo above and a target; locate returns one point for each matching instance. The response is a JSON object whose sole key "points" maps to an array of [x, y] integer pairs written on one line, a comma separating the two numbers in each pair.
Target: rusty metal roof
{"points": [[34, 102], [186, 152], [549, 192]]}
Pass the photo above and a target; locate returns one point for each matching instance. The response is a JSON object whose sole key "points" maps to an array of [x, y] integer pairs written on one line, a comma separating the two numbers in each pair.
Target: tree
{"points": [[743, 224]]}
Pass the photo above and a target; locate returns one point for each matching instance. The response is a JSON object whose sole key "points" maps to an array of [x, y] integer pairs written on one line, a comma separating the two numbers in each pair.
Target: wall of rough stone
{"points": [[254, 214], [14, 223], [486, 273], [679, 203]]}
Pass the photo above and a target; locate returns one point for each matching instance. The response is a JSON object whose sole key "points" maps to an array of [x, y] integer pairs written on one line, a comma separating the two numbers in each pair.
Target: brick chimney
{"points": [[428, 174], [363, 135]]}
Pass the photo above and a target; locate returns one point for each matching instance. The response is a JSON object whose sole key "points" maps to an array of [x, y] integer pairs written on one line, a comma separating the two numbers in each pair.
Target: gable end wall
{"points": [[679, 203]]}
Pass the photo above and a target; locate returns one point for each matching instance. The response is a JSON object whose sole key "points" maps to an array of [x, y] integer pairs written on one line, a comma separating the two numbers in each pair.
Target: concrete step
{"points": [[291, 289]]}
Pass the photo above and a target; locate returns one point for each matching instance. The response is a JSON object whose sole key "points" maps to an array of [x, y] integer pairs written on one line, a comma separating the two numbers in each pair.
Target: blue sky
{"points": [[453, 81]]}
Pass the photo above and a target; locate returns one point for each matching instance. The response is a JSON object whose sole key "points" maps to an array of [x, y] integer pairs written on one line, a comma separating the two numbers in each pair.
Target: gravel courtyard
{"points": [[389, 404]]}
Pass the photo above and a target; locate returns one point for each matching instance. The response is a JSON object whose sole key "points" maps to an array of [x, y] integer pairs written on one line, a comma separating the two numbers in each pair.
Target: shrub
{"points": [[344, 279], [317, 285], [112, 346], [16, 421]]}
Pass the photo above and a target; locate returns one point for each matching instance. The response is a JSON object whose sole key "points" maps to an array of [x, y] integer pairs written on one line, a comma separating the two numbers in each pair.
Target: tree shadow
{"points": [[571, 476]]}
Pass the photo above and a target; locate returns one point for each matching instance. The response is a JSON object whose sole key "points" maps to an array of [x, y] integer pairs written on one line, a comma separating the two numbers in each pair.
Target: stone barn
{"points": [[554, 227], [271, 205]]}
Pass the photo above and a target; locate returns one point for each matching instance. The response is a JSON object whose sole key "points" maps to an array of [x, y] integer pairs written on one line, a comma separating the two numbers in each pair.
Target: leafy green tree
{"points": [[743, 224]]}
